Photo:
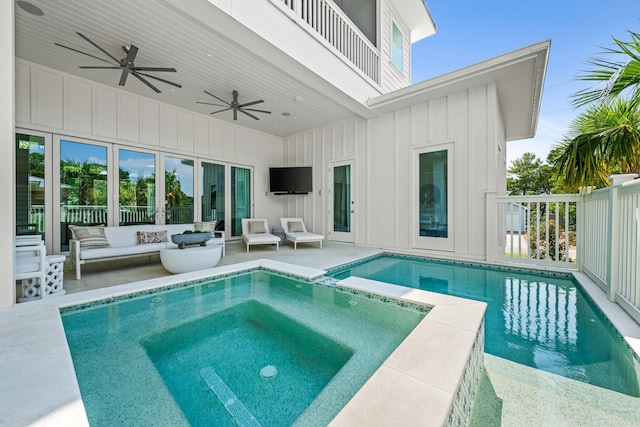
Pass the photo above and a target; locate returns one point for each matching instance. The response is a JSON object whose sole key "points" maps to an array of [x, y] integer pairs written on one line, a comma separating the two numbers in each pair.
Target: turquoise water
{"points": [[540, 321], [166, 357]]}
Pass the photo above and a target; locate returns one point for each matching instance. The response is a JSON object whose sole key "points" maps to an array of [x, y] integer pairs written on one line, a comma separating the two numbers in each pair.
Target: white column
{"points": [[7, 162]]}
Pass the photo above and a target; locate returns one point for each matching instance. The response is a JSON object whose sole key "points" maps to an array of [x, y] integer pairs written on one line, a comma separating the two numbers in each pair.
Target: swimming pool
{"points": [[545, 322], [255, 344]]}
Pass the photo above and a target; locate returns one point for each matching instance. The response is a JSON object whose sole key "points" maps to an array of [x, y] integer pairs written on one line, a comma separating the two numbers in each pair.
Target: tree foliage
{"points": [[603, 140], [529, 175]]}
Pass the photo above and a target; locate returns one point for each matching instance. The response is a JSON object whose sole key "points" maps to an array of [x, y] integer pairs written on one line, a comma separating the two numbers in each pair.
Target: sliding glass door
{"points": [[213, 193], [83, 190], [178, 190], [240, 198], [136, 187], [62, 181]]}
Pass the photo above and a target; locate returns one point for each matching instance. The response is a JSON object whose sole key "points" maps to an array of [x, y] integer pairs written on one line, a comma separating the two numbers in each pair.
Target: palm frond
{"points": [[617, 76], [603, 140]]}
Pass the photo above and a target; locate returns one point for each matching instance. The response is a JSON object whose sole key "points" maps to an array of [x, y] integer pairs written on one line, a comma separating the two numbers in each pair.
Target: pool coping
{"points": [[40, 385]]}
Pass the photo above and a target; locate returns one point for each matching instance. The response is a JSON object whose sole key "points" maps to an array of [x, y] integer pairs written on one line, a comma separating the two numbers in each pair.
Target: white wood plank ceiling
{"points": [[204, 60]]}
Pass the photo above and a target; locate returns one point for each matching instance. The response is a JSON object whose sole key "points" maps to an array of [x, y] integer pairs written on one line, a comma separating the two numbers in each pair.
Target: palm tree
{"points": [[605, 139], [618, 76]]}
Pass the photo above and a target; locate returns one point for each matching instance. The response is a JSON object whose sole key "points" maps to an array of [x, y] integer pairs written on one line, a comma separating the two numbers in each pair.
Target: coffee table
{"points": [[191, 258]]}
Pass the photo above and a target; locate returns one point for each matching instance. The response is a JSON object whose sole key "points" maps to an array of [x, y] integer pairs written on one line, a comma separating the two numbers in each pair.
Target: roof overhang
{"points": [[519, 78], [416, 15]]}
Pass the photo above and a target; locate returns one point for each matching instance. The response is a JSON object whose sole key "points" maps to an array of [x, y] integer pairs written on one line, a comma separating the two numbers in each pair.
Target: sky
{"points": [[471, 31]]}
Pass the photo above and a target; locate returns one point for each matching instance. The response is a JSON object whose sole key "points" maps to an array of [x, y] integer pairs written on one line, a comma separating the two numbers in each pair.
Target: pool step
{"points": [[232, 404]]}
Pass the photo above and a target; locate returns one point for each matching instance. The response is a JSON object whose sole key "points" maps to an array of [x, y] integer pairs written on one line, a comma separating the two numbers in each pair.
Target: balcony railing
{"points": [[326, 20], [597, 233]]}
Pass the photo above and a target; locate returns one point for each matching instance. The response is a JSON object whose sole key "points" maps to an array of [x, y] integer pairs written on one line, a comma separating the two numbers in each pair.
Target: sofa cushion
{"points": [[97, 253], [91, 236], [147, 237]]}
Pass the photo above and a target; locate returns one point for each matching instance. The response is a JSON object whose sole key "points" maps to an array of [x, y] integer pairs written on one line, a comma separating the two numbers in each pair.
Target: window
{"points": [[30, 184], [396, 46], [432, 215], [433, 194]]}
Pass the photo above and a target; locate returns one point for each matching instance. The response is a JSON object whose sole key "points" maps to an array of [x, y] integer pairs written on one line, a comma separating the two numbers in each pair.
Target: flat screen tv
{"points": [[290, 180]]}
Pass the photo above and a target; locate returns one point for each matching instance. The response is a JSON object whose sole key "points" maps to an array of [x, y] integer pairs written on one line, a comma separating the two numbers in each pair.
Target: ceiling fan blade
{"points": [[257, 111], [172, 70], [220, 111], [132, 51], [123, 76], [219, 99], [159, 79], [91, 67], [251, 103], [143, 80], [98, 47], [84, 53], [209, 103], [250, 115]]}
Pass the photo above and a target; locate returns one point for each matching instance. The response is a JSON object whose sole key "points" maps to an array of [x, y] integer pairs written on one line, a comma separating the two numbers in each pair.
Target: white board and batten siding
{"points": [[391, 77], [48, 100], [383, 150]]}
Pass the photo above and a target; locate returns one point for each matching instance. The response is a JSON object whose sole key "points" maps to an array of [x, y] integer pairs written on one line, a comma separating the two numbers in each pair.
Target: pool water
{"points": [[540, 321], [253, 346]]}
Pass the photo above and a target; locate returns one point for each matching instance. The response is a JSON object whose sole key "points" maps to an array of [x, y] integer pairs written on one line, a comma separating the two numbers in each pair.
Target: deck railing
{"points": [[74, 214], [597, 233], [326, 20], [540, 230]]}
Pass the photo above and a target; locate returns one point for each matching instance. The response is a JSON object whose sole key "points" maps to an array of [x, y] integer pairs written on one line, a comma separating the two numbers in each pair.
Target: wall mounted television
{"points": [[290, 180]]}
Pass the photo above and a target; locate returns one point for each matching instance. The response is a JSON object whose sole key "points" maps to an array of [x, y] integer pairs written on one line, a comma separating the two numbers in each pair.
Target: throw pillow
{"points": [[295, 226], [256, 227], [90, 237], [145, 237]]}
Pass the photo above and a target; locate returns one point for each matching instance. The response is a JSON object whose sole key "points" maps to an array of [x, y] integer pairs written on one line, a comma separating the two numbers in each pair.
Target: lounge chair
{"points": [[296, 232], [255, 231]]}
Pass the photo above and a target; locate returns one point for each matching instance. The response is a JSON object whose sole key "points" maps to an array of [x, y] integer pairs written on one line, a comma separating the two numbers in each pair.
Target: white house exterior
{"points": [[364, 123]]}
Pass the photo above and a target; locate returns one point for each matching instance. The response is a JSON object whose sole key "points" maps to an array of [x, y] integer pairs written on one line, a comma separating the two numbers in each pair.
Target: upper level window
{"points": [[396, 46]]}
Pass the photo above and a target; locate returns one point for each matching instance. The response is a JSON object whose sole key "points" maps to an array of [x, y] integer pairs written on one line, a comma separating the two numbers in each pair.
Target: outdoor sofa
{"points": [[100, 243]]}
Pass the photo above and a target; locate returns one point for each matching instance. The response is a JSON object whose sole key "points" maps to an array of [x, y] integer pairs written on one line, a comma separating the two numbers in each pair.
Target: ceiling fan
{"points": [[125, 64], [235, 106]]}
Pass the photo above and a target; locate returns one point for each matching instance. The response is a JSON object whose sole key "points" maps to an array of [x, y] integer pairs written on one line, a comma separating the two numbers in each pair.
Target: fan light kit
{"points": [[235, 106], [125, 64]]}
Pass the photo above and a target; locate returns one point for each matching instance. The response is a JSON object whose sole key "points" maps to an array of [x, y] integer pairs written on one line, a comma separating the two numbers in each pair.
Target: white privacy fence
{"points": [[332, 24], [597, 233], [624, 276]]}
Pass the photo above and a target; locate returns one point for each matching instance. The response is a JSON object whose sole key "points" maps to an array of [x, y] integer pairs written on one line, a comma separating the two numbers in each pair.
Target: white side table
{"points": [[32, 289], [193, 258]]}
